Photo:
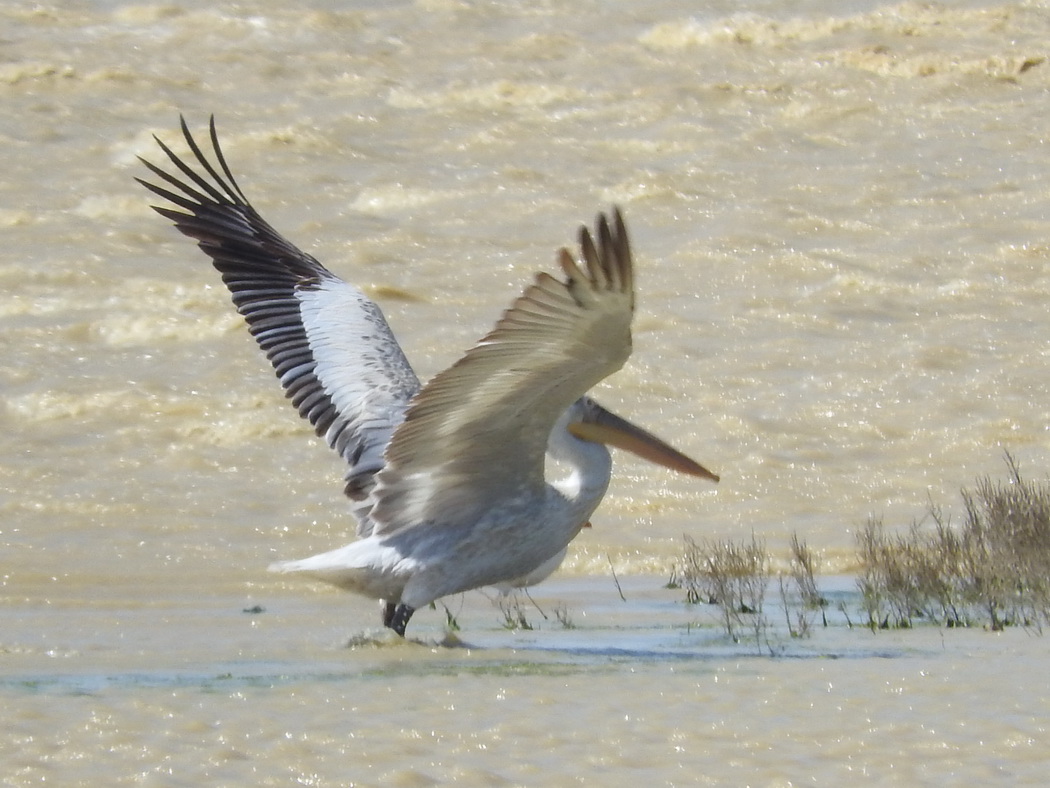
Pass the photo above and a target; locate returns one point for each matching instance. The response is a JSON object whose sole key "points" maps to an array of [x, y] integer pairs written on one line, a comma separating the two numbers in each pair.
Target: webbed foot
{"points": [[399, 620]]}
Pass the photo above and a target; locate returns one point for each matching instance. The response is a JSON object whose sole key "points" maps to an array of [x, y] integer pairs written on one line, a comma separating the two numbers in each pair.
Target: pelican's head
{"points": [[589, 421]]}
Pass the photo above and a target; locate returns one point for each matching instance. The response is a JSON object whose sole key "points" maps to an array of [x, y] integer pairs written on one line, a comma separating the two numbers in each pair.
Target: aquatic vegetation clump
{"points": [[994, 569], [733, 576], [798, 590]]}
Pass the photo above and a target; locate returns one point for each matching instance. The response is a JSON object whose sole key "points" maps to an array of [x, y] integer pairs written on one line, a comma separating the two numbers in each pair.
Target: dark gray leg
{"points": [[388, 613], [400, 618]]}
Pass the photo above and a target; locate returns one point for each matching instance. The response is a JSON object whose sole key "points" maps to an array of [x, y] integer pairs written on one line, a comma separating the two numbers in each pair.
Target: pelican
{"points": [[447, 481]]}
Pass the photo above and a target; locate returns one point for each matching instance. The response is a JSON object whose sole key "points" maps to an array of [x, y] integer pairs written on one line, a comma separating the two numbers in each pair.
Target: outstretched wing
{"points": [[477, 432], [329, 343]]}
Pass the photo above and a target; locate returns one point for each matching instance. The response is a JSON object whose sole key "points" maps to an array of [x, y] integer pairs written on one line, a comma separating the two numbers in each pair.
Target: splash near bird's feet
{"points": [[383, 639]]}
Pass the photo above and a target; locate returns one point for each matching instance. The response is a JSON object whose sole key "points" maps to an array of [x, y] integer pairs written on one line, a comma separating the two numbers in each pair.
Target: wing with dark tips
{"points": [[329, 343]]}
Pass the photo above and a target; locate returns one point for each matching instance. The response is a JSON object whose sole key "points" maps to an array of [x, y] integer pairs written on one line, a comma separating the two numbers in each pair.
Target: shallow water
{"points": [[838, 210], [642, 689]]}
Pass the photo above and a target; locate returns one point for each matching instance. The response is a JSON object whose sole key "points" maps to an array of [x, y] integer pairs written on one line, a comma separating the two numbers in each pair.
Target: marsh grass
{"points": [[563, 617], [992, 570], [451, 622], [798, 590], [513, 613], [733, 576]]}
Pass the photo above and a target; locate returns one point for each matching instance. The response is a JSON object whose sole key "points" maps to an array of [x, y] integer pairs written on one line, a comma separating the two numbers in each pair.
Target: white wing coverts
{"points": [[328, 342]]}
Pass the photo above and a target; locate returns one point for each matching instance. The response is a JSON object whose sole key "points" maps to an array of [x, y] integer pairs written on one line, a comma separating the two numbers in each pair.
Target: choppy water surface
{"points": [[839, 211]]}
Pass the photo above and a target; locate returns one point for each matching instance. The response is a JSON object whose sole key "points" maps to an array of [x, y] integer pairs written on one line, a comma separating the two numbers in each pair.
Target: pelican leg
{"points": [[388, 612], [399, 620]]}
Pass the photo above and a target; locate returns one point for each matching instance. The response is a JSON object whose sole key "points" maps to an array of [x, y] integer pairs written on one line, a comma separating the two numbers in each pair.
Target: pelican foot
{"points": [[399, 620]]}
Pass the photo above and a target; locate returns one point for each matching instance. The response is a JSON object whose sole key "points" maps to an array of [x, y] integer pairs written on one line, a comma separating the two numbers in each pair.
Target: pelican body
{"points": [[447, 481]]}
